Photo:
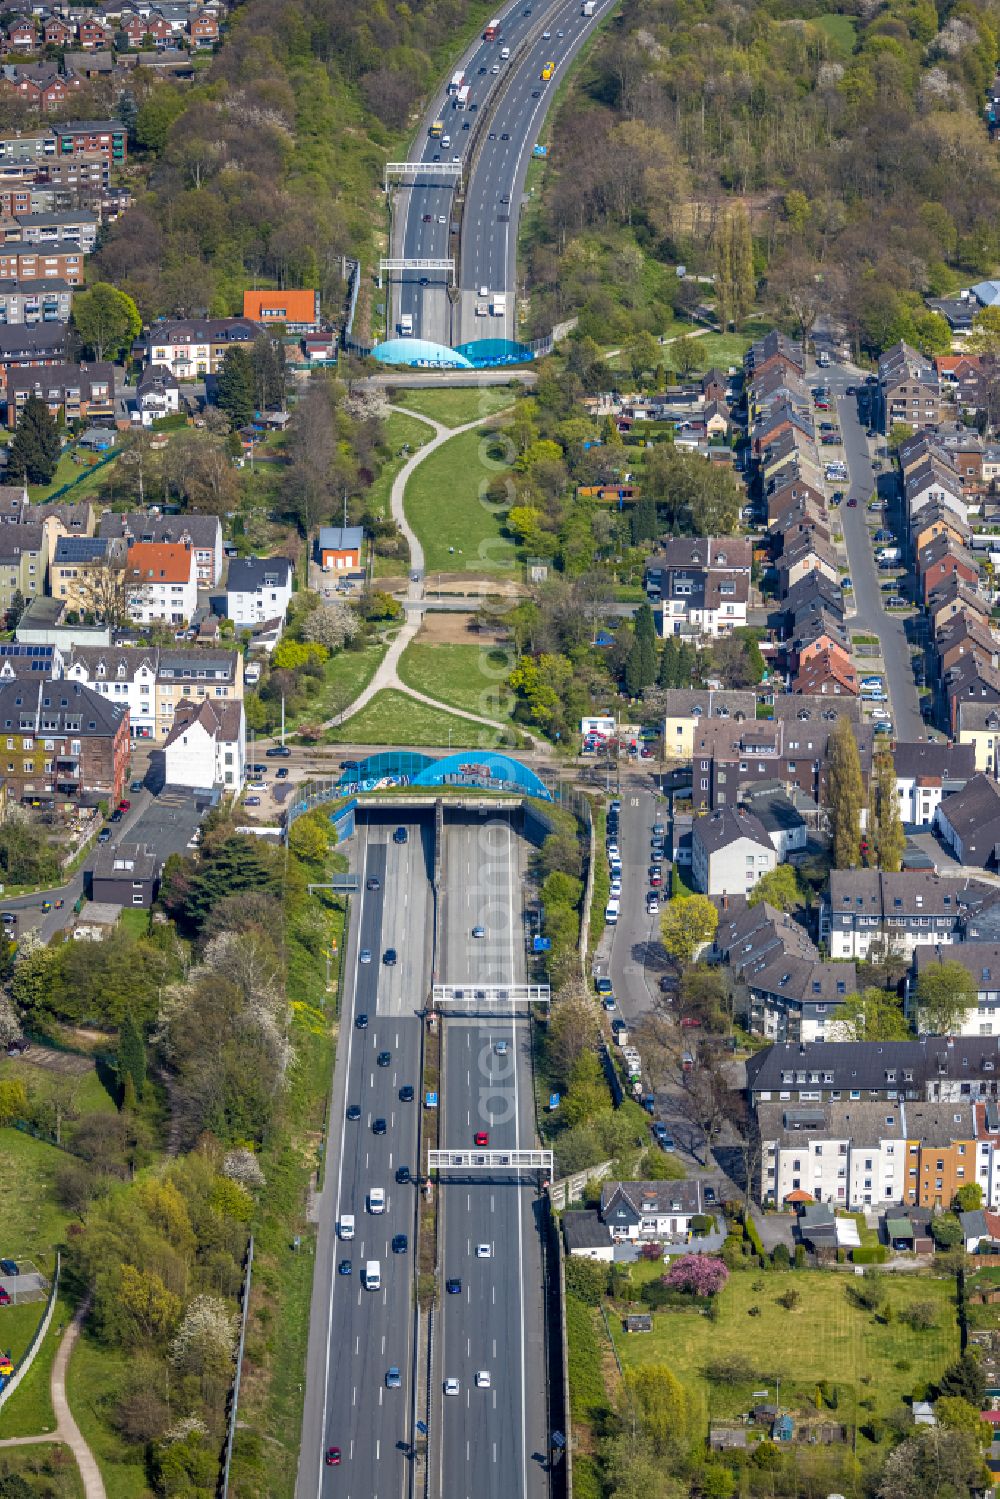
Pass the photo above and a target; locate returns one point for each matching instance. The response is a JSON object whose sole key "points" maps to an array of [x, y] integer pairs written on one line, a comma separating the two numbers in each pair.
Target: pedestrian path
{"points": [[66, 1428]]}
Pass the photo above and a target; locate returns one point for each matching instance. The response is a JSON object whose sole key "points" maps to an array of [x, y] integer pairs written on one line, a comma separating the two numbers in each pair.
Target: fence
{"points": [[28, 1356], [568, 1188], [85, 474], [234, 1398]]}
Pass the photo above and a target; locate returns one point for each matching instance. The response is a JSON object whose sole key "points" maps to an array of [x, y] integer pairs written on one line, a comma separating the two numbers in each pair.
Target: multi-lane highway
{"points": [[360, 1334], [490, 1442], [535, 34]]}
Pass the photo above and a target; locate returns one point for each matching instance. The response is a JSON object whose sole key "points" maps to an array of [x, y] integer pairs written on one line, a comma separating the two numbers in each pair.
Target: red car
{"points": [[124, 806], [655, 880], [691, 1022], [333, 1457], [852, 504], [482, 1138], [4, 1297]]}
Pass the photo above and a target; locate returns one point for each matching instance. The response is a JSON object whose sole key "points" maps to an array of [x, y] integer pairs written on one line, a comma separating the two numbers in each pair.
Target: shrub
{"points": [[699, 1274], [920, 1315], [729, 1368], [586, 1279], [780, 1258], [800, 1256], [789, 1300], [750, 1231], [871, 1254]]}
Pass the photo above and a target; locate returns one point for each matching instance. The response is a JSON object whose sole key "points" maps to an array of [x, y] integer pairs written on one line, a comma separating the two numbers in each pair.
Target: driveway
{"points": [[774, 1229], [871, 618]]}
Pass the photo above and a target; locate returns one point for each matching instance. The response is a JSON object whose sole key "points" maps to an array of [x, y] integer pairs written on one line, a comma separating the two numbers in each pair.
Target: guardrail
{"points": [[28, 1356], [234, 1399]]}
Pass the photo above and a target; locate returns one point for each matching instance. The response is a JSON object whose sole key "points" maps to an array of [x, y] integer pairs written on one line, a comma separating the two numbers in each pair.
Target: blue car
{"points": [[344, 1268]]}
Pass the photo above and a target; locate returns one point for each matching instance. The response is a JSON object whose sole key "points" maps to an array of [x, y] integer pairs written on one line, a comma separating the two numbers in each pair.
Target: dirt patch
{"points": [[65, 1063], [459, 583], [455, 629]]}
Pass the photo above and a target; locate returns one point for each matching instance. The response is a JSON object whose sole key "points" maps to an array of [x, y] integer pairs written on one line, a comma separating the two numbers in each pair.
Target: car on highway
{"points": [[376, 1200], [483, 1379], [484, 1251], [546, 36], [481, 1137], [389, 957], [400, 1243], [344, 1268], [505, 135], [442, 219], [373, 882], [361, 1022], [536, 93], [406, 1094], [400, 835], [365, 955], [501, 1048], [354, 1112], [454, 1286], [278, 752], [479, 931], [378, 1126], [393, 1378], [428, 218], [403, 1175], [495, 68], [451, 1386], [333, 1457], [384, 1058]]}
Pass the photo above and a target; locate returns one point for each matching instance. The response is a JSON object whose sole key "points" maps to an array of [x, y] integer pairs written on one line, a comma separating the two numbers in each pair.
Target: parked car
{"points": [[278, 752]]}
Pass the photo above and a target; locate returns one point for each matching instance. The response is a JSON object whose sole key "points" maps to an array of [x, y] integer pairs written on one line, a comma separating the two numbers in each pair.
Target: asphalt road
{"points": [[357, 1334], [493, 194], [492, 1442], [870, 616]]}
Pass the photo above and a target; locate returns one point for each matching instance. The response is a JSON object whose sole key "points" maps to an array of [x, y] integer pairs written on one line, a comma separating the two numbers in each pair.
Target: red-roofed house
{"points": [[163, 582], [829, 673]]}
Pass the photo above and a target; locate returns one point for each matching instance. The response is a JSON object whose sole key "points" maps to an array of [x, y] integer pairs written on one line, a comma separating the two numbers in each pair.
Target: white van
{"points": [[446, 141], [611, 912], [373, 1275], [376, 1200], [345, 1227], [504, 53]]}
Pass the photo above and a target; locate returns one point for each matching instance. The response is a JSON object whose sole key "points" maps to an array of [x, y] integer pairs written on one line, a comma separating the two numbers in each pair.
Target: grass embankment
{"points": [[453, 408], [602, 877], [875, 1362], [32, 1225], [471, 677], [393, 718], [345, 677], [400, 430], [48, 1468], [458, 529]]}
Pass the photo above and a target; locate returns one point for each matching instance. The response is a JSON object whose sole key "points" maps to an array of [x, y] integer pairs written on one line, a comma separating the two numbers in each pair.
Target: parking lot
{"points": [[170, 821]]}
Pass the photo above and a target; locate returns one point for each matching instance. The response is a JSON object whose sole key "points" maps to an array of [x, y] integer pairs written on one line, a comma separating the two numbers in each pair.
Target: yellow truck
{"points": [[436, 129], [547, 71]]}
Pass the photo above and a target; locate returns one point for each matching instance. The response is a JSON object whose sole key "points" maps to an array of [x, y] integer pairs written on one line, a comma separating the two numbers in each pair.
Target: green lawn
{"points": [[345, 676], [67, 472], [95, 1375], [393, 718], [31, 1225], [399, 430], [459, 531], [825, 1338], [51, 1465], [81, 1094], [471, 677], [453, 408], [29, 1409], [842, 31]]}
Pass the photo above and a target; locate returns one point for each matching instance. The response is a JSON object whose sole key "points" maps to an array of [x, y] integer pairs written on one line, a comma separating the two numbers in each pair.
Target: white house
{"points": [[730, 850], [258, 589], [657, 1210], [207, 746], [157, 395], [163, 582], [927, 772], [126, 675], [705, 601], [202, 533], [849, 1154]]}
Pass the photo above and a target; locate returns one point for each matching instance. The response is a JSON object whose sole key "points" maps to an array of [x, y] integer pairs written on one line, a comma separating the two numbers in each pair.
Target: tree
{"points": [[779, 887], [688, 923], [106, 319], [703, 994], [644, 525], [946, 1231], [934, 1463], [663, 1407], [945, 992], [685, 354], [701, 1274], [985, 335], [131, 1054], [236, 386], [963, 1378], [268, 359], [331, 625], [886, 829], [107, 592], [34, 450], [633, 670], [872, 1015], [845, 794], [969, 1199], [309, 840]]}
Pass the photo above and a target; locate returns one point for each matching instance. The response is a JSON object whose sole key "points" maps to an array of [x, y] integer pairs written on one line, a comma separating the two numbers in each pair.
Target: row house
{"points": [[933, 481], [909, 389], [867, 907], [686, 708], [206, 747], [794, 997], [34, 346], [153, 681], [981, 960], [41, 86], [965, 635], [937, 519], [23, 565], [62, 744], [191, 348], [729, 757], [944, 558], [951, 597], [140, 31], [944, 1069], [71, 392], [774, 349], [162, 578], [80, 572], [970, 679], [926, 773], [977, 725], [202, 533], [964, 380]]}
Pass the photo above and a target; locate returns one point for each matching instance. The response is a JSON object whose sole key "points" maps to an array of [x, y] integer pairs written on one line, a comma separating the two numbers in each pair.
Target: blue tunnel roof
{"points": [[487, 769]]}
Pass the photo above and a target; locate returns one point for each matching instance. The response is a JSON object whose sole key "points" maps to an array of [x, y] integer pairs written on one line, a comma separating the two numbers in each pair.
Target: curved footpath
{"points": [[66, 1429], [387, 674]]}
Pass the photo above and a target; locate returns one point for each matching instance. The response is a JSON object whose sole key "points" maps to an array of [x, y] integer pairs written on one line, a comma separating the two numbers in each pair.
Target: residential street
{"points": [[871, 617]]}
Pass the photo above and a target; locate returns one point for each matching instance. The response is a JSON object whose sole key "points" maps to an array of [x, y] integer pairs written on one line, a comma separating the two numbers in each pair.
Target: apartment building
{"points": [[61, 744], [78, 568], [687, 708], [258, 589], [202, 533], [852, 1155], [944, 1069], [193, 347], [72, 392], [909, 389], [163, 582], [926, 773], [108, 138], [730, 852], [727, 757], [74, 227], [22, 564], [39, 346], [152, 681], [56, 262], [899, 912], [25, 303]]}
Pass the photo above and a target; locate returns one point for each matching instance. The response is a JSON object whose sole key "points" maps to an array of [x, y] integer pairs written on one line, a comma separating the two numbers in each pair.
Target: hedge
{"points": [[873, 1254], [750, 1230]]}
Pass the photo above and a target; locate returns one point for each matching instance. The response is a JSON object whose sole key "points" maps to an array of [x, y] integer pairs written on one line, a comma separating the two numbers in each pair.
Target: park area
{"points": [[459, 530], [874, 1359], [455, 407]]}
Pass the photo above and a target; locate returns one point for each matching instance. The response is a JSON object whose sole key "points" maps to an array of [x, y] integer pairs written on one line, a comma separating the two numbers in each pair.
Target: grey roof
{"points": [[250, 574], [584, 1230], [864, 1064], [341, 538], [980, 959], [70, 705], [772, 806], [17, 539], [43, 338], [203, 531], [940, 762], [71, 549], [941, 1123], [974, 808], [810, 707], [662, 1197], [862, 1123], [803, 980], [869, 892], [127, 861], [702, 702], [33, 288], [717, 830], [974, 1224], [66, 216], [972, 715], [187, 663]]}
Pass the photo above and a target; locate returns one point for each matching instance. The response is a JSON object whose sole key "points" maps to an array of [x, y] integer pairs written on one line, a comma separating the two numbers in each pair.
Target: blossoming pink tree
{"points": [[701, 1274]]}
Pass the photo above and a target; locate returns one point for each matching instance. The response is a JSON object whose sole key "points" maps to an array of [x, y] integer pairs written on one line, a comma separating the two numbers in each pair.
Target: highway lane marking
{"points": [[517, 1146]]}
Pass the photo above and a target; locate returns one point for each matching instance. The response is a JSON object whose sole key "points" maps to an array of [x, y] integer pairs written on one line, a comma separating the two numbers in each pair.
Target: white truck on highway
{"points": [[373, 1275], [457, 79], [498, 304], [406, 324], [588, 7]]}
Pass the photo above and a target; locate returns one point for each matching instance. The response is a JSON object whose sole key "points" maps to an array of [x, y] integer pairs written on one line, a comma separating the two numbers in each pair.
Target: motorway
{"points": [[358, 1334], [871, 617], [493, 194], [489, 1443]]}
